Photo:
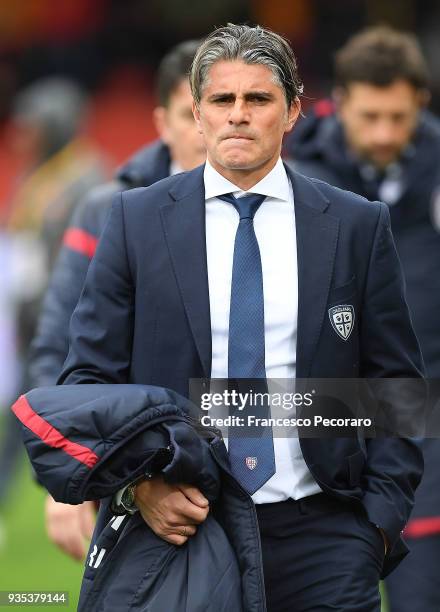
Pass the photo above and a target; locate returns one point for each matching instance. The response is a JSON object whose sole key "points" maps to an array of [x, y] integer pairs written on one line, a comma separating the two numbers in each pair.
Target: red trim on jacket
{"points": [[80, 241], [51, 436], [419, 527], [324, 108]]}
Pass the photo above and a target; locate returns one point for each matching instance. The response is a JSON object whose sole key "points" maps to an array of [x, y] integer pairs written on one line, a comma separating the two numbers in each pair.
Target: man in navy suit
{"points": [[234, 270]]}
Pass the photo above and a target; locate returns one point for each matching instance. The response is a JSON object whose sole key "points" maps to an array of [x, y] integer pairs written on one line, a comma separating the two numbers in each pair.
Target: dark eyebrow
{"points": [[221, 96], [251, 95], [259, 94]]}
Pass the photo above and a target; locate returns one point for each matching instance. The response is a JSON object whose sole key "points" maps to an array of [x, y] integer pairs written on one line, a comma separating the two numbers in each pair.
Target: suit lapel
{"points": [[184, 226], [317, 235]]}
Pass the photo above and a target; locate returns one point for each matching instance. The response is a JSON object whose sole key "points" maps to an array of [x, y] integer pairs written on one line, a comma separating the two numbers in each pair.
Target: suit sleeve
{"points": [[389, 349], [101, 327], [51, 342]]}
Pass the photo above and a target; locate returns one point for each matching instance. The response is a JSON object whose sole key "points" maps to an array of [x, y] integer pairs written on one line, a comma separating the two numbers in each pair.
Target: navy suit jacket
{"points": [[144, 318]]}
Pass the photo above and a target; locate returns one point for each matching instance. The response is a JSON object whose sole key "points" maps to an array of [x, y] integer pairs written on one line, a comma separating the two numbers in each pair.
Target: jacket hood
{"points": [[146, 166], [318, 137]]}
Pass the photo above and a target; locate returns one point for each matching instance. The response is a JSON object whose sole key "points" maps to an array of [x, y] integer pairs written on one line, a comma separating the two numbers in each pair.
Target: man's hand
{"points": [[172, 511], [70, 526]]}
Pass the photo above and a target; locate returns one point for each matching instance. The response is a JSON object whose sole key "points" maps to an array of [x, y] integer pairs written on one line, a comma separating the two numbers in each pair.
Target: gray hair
{"points": [[252, 45]]}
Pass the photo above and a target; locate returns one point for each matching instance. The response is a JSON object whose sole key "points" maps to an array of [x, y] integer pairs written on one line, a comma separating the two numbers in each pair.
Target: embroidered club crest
{"points": [[342, 320], [251, 462]]}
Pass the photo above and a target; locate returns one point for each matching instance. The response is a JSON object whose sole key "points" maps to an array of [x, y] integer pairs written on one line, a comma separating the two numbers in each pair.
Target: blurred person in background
{"points": [[63, 167], [378, 140], [179, 148], [47, 117]]}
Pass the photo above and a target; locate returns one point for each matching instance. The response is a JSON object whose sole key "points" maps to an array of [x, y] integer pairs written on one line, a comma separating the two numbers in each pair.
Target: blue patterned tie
{"points": [[252, 457]]}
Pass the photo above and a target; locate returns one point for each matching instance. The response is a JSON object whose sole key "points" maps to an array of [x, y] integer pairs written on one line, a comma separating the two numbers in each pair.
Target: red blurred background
{"points": [[112, 48]]}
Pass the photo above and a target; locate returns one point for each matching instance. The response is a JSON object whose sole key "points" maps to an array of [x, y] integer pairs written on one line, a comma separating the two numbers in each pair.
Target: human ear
{"points": [[196, 114], [293, 113], [160, 122]]}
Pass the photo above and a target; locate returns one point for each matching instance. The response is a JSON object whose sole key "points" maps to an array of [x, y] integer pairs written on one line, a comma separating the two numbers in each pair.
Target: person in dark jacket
{"points": [[376, 139], [179, 148], [243, 269]]}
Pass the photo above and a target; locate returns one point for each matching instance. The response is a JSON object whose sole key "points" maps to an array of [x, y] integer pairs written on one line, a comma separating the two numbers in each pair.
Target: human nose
{"points": [[239, 113], [384, 132]]}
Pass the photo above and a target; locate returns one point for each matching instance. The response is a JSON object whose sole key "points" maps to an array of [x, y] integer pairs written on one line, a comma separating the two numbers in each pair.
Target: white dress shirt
{"points": [[274, 224]]}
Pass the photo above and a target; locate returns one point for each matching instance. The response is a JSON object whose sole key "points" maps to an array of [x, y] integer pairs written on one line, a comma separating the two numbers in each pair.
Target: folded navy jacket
{"points": [[87, 441]]}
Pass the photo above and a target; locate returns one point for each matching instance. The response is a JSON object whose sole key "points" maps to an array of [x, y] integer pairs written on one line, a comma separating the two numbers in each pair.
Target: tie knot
{"points": [[246, 206]]}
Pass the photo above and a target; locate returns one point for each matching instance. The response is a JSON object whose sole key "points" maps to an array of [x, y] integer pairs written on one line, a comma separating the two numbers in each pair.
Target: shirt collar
{"points": [[275, 184]]}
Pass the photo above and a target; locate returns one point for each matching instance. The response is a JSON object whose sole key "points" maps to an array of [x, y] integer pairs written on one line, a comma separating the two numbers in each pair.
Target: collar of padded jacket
{"points": [[87, 441]]}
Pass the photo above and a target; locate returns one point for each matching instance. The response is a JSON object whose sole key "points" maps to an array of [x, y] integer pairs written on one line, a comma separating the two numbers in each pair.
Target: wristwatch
{"points": [[123, 501], [128, 499]]}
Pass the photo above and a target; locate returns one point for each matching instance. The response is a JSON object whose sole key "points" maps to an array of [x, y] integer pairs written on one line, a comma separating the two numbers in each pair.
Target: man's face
{"points": [[177, 128], [379, 121], [243, 116]]}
